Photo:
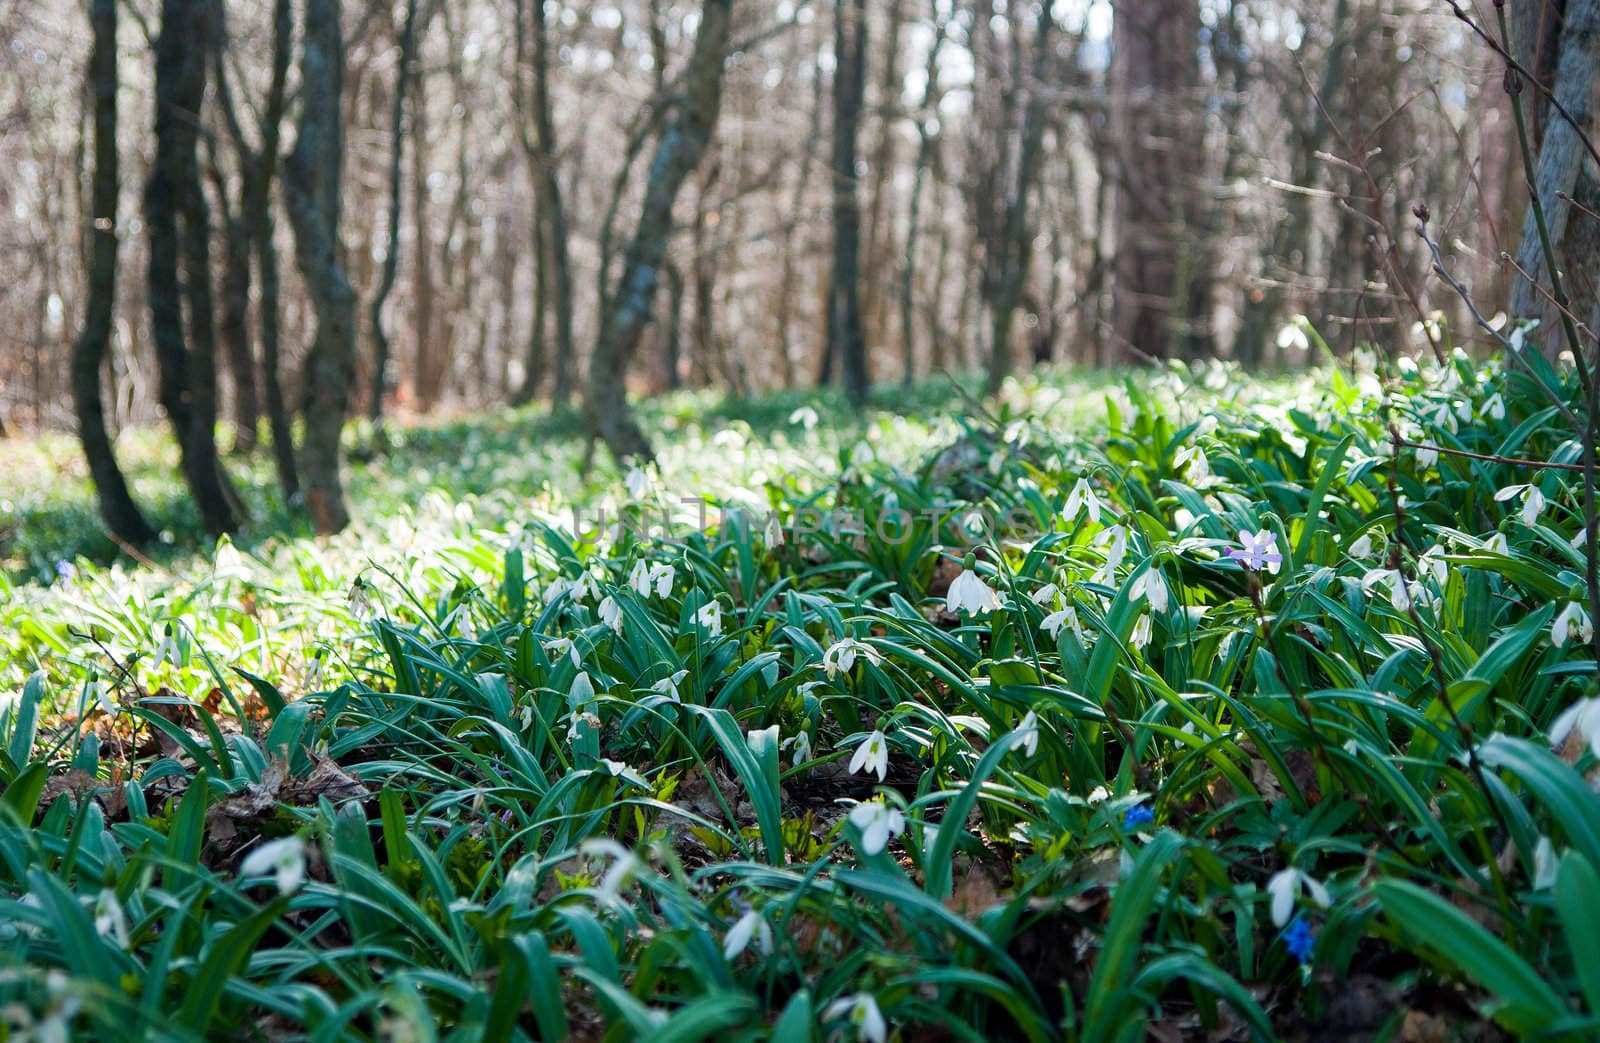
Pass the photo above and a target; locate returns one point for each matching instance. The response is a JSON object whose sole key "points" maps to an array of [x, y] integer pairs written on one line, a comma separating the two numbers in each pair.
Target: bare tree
{"points": [[681, 147], [311, 184], [391, 257], [117, 507], [846, 338], [174, 198]]}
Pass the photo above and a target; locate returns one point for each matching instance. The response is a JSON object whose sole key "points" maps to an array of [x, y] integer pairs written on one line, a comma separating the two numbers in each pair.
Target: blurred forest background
{"points": [[315, 209]]}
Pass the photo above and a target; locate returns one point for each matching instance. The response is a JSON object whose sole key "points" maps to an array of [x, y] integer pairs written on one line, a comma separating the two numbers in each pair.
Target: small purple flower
{"points": [[1300, 939], [66, 571], [1137, 816], [1258, 551]]}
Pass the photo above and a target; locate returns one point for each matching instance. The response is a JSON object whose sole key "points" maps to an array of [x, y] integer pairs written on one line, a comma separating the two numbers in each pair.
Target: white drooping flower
{"points": [[1115, 541], [97, 693], [1498, 544], [1427, 455], [710, 617], [1572, 622], [872, 755], [1198, 469], [1494, 407], [752, 925], [1362, 547], [1028, 729], [840, 656], [1045, 594], [1151, 586], [1285, 886], [646, 576], [1053, 623], [359, 600], [625, 865], [584, 587], [1432, 564], [801, 742], [109, 919], [863, 1013], [561, 646], [1533, 500], [637, 481], [611, 614], [1141, 632], [1584, 716], [1082, 498], [283, 859], [969, 592], [668, 686], [772, 532], [1401, 593], [167, 650], [878, 822], [805, 416]]}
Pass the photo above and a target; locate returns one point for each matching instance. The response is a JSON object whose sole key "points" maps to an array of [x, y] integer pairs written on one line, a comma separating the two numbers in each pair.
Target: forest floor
{"points": [[1175, 706]]}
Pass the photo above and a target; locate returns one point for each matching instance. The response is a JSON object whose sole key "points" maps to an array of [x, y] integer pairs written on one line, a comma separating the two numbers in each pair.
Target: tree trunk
{"points": [[174, 198], [391, 257], [117, 508], [846, 338], [553, 212], [880, 212], [677, 154], [312, 179], [1559, 178], [925, 145], [1016, 242], [1154, 46]]}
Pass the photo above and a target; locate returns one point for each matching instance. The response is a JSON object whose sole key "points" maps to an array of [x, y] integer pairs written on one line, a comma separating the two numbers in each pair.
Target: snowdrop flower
{"points": [[1053, 623], [1258, 551], [772, 533], [1545, 865], [1362, 548], [283, 859], [863, 1013], [646, 576], [611, 614], [1028, 729], [872, 755], [96, 692], [1150, 585], [840, 656], [1115, 541], [805, 416], [1498, 544], [1572, 621], [710, 617], [1494, 408], [751, 925], [968, 591], [359, 600], [638, 482], [1583, 715], [668, 686], [561, 646], [1082, 498], [878, 823], [581, 693], [1285, 886], [1533, 500], [1520, 332], [802, 748], [625, 865], [1427, 455], [1198, 469], [1141, 632], [1045, 594], [109, 919], [1290, 335], [167, 650], [585, 587], [1401, 593], [1433, 565], [228, 563]]}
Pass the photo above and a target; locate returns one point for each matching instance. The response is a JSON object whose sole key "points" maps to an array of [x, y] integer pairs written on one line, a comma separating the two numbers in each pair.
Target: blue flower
{"points": [[1300, 939], [66, 571], [1137, 816]]}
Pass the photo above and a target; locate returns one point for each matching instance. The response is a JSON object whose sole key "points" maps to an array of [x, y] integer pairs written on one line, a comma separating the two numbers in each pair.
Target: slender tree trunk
{"points": [[1559, 178], [1016, 241], [117, 507], [880, 211], [554, 213], [677, 154], [426, 373], [174, 198], [312, 182], [673, 340], [925, 145], [846, 338], [391, 257]]}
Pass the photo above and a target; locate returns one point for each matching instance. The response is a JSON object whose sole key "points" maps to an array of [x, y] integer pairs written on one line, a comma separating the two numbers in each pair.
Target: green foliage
{"points": [[468, 773]]}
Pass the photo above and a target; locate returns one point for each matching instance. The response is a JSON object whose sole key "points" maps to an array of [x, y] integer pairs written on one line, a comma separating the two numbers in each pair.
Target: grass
{"points": [[1094, 768]]}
